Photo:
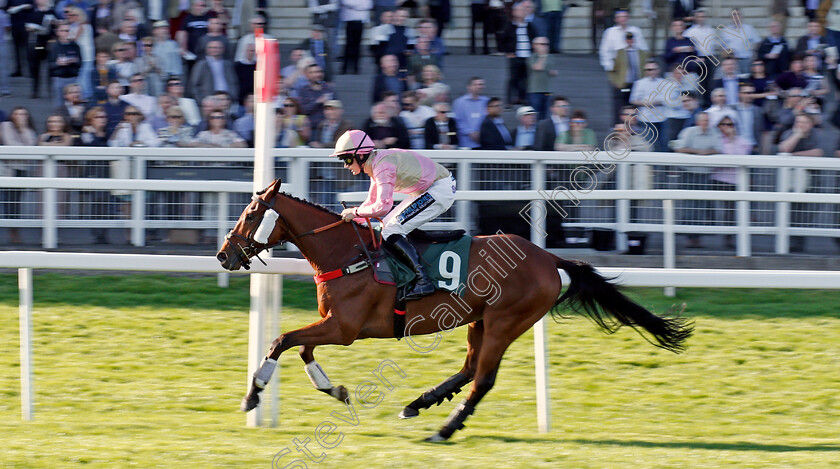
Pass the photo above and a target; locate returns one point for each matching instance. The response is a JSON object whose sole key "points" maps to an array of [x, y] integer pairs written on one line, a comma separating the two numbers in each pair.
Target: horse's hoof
{"points": [[249, 403], [409, 413], [435, 438], [340, 393]]}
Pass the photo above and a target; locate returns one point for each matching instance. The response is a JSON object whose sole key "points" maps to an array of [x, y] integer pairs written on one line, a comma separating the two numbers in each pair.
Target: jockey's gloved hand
{"points": [[348, 214]]}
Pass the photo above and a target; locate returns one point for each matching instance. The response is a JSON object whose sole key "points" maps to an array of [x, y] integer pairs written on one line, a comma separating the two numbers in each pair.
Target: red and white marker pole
{"points": [[264, 289]]}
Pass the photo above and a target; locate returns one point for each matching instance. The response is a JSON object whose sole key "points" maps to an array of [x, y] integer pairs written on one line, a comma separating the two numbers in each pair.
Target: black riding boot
{"points": [[402, 247]]}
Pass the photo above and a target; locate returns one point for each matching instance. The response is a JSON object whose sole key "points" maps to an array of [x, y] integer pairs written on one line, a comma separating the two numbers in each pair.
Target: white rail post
{"points": [[540, 334], [223, 278], [26, 392], [668, 242], [462, 212], [622, 207], [742, 210], [274, 332], [138, 205], [49, 235], [782, 212]]}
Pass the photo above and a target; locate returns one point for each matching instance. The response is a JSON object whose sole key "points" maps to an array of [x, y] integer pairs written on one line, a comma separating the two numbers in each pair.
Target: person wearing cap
{"points": [[614, 39], [628, 64], [430, 188], [334, 125], [525, 132]]}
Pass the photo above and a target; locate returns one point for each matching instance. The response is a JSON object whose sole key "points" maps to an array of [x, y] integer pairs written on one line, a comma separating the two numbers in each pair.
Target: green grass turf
{"points": [[148, 371]]}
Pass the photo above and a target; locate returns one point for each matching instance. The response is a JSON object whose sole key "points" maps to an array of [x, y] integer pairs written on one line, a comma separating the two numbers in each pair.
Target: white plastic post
{"points": [[669, 243], [274, 331], [50, 231], [223, 278], [26, 391], [265, 78], [540, 335]]}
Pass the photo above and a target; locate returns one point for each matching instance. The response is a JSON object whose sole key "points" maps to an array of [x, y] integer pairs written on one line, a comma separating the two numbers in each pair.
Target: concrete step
{"points": [[290, 23]]}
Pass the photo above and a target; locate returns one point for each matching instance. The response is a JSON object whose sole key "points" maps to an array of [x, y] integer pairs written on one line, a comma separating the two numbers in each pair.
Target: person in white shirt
{"points": [[719, 109], [415, 116], [138, 98], [614, 38], [743, 51], [354, 14], [255, 23], [651, 103], [699, 33]]}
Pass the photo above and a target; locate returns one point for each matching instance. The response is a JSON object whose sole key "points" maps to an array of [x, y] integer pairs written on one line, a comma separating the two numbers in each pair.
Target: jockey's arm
{"points": [[380, 200]]}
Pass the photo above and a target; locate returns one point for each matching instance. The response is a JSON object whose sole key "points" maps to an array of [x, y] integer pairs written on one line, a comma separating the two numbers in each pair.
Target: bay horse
{"points": [[505, 294]]}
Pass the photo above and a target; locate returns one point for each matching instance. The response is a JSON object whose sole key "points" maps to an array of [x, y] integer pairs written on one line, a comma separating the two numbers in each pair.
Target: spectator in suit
{"points": [[214, 73], [386, 131], [625, 69], [325, 14], [389, 80], [493, 134], [793, 77], [401, 40], [684, 9], [113, 105], [615, 38], [729, 80], [318, 48], [441, 131], [524, 134], [556, 123], [101, 74], [750, 116], [256, 22], [812, 42], [18, 11], [774, 51], [379, 36]]}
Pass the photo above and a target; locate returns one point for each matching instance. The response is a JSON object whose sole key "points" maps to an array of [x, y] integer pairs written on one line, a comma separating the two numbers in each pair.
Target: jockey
{"points": [[430, 186]]}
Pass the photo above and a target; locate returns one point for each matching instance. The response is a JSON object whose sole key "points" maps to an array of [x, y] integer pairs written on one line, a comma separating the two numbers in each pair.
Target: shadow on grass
{"points": [[707, 445]]}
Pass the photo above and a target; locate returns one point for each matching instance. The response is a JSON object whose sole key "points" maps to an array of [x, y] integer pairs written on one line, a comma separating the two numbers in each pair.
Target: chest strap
{"points": [[347, 270]]}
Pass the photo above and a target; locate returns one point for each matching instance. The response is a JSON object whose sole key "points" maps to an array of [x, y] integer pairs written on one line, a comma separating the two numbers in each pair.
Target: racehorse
{"points": [[512, 284]]}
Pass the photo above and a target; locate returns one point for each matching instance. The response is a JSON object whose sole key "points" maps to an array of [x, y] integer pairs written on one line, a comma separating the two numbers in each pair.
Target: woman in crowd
{"points": [[133, 132], [217, 134], [815, 83], [578, 137], [94, 133], [166, 52], [177, 133], [150, 67], [19, 130], [296, 127], [57, 133], [431, 89], [82, 32]]}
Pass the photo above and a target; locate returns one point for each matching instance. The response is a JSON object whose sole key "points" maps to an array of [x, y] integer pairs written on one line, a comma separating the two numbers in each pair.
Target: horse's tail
{"points": [[593, 296]]}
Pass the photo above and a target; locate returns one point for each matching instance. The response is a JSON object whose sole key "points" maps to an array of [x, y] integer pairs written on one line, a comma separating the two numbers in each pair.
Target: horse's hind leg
{"points": [[489, 358], [318, 376], [452, 385]]}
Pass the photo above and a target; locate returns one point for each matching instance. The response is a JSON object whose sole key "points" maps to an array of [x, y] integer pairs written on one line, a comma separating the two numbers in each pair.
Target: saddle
{"points": [[445, 255]]}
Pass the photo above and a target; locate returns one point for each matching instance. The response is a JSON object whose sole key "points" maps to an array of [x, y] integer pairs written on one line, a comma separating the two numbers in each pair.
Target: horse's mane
{"points": [[310, 203]]}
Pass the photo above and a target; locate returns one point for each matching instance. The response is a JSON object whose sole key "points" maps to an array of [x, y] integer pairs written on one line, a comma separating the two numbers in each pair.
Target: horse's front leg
{"points": [[326, 331], [318, 376]]}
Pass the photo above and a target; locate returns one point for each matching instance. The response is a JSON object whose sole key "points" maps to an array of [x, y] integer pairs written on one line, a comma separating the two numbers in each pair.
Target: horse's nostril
{"points": [[221, 256]]}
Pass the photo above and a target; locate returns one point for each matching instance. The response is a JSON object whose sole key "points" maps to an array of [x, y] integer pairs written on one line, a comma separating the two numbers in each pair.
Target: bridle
{"points": [[253, 248]]}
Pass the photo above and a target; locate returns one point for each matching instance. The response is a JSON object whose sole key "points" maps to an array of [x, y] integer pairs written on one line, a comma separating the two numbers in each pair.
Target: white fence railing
{"points": [[714, 278], [761, 199]]}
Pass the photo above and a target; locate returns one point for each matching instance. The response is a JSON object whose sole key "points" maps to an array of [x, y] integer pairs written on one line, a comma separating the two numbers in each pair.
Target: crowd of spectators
{"points": [[163, 79]]}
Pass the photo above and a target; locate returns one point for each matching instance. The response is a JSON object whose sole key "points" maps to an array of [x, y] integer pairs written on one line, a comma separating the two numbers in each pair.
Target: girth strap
{"points": [[346, 270]]}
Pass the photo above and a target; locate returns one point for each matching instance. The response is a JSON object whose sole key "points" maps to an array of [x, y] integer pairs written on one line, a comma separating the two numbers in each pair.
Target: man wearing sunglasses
{"points": [[430, 186]]}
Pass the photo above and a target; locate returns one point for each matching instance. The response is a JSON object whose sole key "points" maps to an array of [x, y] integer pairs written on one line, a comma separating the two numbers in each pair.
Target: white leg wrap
{"points": [[317, 376], [263, 374]]}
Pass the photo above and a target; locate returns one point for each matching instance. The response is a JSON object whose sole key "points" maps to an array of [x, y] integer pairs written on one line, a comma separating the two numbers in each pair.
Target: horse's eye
{"points": [[249, 217]]}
